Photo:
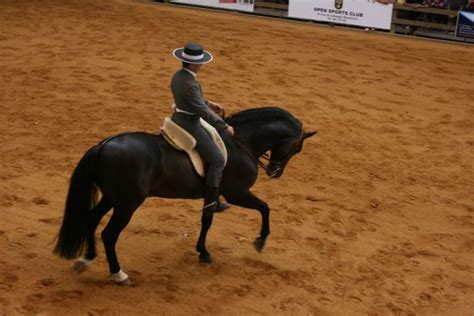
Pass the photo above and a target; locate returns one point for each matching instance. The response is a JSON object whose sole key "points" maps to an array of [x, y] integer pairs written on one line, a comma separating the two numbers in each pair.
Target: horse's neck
{"points": [[258, 141]]}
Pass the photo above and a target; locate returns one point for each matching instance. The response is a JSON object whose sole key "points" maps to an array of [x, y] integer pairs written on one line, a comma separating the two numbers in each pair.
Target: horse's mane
{"points": [[260, 115]]}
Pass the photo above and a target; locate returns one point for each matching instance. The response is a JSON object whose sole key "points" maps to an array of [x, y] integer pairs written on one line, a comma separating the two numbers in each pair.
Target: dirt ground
{"points": [[374, 217]]}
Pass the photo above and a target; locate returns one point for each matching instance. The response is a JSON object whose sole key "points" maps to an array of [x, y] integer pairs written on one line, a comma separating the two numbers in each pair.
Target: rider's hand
{"points": [[216, 108], [229, 130], [215, 105]]}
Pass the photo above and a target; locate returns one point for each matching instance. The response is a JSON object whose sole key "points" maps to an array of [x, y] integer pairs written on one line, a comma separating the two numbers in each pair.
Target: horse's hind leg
{"points": [[119, 220], [248, 200], [94, 219]]}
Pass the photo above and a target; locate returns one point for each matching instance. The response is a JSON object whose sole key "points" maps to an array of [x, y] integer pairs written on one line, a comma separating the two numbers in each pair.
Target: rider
{"points": [[190, 106]]}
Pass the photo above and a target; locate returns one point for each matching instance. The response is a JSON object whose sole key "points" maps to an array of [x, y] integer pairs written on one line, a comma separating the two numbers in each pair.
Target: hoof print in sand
{"points": [[40, 201]]}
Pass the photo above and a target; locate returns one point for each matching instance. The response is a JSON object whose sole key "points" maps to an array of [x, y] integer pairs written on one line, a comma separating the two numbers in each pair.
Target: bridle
{"points": [[273, 167], [239, 143]]}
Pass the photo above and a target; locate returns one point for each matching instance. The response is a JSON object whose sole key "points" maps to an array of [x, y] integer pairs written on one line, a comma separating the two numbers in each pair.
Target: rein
{"points": [[239, 143], [278, 164]]}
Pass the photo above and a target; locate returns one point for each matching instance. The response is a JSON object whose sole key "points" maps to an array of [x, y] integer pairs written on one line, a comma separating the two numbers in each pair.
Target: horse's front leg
{"points": [[248, 200], [206, 222]]}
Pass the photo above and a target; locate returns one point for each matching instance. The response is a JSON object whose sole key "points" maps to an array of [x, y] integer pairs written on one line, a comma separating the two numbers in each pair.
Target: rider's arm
{"points": [[194, 97]]}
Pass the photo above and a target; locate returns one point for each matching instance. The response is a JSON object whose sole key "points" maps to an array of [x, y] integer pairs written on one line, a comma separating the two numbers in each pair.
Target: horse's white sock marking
{"points": [[119, 276], [85, 262]]}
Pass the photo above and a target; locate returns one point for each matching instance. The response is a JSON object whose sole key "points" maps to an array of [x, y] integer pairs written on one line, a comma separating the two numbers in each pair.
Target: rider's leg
{"points": [[216, 163]]}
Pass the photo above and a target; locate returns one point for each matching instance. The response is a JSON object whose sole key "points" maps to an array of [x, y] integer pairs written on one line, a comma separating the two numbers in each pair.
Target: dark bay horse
{"points": [[130, 167]]}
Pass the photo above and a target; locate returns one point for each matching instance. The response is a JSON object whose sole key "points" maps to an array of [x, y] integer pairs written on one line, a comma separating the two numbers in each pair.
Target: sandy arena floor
{"points": [[374, 217]]}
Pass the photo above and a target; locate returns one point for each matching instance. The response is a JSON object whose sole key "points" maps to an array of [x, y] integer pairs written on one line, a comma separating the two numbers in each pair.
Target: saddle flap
{"points": [[180, 139], [215, 137], [197, 162], [177, 136]]}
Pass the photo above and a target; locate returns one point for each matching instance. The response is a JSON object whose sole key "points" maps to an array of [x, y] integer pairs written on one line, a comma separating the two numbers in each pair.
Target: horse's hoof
{"points": [[80, 266], [205, 259], [259, 244], [121, 278], [125, 282]]}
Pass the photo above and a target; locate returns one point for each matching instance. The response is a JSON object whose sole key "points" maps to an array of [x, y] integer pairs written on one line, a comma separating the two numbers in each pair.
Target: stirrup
{"points": [[221, 207], [210, 208]]}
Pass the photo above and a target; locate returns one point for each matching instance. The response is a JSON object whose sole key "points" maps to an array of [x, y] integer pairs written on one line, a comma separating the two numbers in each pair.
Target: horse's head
{"points": [[284, 150], [273, 130]]}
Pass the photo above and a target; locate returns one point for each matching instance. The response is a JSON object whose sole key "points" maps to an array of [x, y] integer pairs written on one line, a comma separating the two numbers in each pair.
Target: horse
{"points": [[129, 167]]}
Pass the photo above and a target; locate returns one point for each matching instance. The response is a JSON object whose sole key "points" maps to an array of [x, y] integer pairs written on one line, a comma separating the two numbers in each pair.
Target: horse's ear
{"points": [[309, 134]]}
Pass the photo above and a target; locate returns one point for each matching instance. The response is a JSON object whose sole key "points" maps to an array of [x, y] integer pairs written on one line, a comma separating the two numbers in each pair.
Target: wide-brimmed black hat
{"points": [[192, 53]]}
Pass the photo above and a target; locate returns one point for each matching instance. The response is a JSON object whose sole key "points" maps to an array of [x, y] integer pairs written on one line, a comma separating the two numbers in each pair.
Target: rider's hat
{"points": [[192, 53]]}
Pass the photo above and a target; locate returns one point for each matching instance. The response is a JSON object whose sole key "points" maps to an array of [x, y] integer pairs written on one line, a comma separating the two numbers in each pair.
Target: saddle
{"points": [[180, 139]]}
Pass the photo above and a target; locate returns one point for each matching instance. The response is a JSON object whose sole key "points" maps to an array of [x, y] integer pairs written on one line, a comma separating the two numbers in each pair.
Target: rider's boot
{"points": [[220, 207], [211, 199]]}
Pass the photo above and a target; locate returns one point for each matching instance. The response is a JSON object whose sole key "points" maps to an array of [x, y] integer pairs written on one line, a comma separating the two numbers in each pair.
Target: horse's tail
{"points": [[81, 199]]}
